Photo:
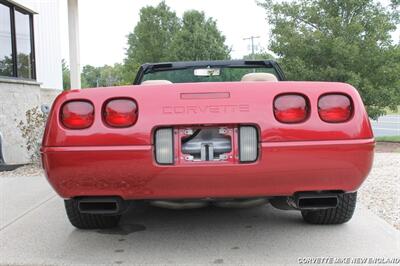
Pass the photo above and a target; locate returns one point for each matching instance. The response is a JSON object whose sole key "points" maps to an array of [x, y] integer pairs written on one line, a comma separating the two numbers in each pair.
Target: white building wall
{"points": [[18, 95], [15, 99], [47, 41]]}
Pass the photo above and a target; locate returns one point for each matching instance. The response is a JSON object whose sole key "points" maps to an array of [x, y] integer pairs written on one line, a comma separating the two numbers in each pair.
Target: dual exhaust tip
{"points": [[300, 201]]}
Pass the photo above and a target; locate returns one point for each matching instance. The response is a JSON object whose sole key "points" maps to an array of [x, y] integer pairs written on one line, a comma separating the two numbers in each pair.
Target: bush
{"points": [[32, 131]]}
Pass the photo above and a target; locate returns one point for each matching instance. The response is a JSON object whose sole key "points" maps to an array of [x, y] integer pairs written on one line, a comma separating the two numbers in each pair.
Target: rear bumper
{"points": [[282, 169]]}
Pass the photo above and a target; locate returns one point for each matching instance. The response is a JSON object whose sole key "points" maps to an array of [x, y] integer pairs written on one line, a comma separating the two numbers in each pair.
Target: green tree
{"points": [[111, 75], [103, 76], [198, 39], [24, 65], [6, 66], [90, 76], [161, 36], [342, 40], [65, 75], [262, 55], [151, 38]]}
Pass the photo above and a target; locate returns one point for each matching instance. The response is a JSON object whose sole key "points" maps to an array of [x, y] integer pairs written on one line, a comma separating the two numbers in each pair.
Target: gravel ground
{"points": [[26, 170], [380, 193]]}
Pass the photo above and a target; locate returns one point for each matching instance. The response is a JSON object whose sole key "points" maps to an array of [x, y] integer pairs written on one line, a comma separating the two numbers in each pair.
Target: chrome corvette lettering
{"points": [[213, 109]]}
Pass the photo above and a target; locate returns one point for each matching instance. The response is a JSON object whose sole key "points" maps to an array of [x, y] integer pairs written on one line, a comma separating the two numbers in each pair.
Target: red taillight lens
{"points": [[290, 108], [335, 108], [77, 114], [120, 113]]}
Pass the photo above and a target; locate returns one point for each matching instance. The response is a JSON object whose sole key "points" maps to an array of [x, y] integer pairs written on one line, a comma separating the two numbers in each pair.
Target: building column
{"points": [[74, 55]]}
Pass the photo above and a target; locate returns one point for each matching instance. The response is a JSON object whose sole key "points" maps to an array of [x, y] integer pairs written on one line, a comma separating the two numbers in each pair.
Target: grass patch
{"points": [[388, 138]]}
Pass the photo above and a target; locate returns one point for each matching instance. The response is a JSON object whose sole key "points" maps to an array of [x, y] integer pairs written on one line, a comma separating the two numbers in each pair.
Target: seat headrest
{"points": [[259, 77], [156, 82]]}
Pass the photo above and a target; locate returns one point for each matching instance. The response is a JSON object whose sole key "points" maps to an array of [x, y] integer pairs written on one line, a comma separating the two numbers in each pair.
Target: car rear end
{"points": [[209, 141]]}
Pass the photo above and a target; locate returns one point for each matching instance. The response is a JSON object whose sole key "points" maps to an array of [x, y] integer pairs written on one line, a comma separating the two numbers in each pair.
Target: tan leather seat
{"points": [[259, 77], [156, 82]]}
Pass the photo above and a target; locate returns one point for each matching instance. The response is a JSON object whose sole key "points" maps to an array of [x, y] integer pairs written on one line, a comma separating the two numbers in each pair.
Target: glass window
{"points": [[224, 74], [24, 47], [6, 60]]}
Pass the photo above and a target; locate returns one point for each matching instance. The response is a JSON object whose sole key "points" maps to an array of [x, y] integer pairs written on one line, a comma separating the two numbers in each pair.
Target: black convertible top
{"points": [[157, 67]]}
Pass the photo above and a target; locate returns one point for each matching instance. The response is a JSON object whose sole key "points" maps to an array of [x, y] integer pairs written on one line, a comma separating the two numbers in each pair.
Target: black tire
{"points": [[341, 214], [89, 221]]}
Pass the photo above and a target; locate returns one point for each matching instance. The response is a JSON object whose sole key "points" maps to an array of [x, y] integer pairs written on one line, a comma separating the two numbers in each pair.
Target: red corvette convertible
{"points": [[222, 133]]}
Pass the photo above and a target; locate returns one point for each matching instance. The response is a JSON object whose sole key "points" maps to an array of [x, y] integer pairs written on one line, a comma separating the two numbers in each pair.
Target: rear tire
{"points": [[341, 214], [89, 221]]}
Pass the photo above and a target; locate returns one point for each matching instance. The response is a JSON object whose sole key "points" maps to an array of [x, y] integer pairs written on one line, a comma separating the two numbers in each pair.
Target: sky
{"points": [[105, 24]]}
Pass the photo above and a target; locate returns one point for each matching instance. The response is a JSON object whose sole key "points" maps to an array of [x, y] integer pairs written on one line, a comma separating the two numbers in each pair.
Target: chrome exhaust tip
{"points": [[101, 205], [316, 201]]}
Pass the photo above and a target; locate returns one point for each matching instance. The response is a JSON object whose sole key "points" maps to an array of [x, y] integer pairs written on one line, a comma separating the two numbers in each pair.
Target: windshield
{"points": [[206, 74]]}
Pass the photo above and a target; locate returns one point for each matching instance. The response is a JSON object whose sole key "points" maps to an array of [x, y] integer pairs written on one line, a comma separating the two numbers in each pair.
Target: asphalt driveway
{"points": [[35, 230]]}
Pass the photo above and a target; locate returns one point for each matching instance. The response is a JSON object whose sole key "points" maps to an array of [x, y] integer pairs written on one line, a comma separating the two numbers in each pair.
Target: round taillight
{"points": [[335, 108], [77, 114], [120, 113], [291, 108]]}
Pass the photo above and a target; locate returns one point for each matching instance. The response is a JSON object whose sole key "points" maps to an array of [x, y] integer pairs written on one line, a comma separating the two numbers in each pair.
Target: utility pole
{"points": [[252, 44]]}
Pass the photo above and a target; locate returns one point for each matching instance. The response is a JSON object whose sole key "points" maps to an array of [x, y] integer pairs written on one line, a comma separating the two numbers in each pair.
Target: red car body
{"points": [[309, 156]]}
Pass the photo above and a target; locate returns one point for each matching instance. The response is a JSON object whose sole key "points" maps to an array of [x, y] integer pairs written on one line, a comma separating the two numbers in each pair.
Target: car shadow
{"points": [[213, 235], [144, 217]]}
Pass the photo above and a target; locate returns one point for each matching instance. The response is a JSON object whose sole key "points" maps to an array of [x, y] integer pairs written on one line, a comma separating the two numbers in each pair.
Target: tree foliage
{"points": [[151, 38], [198, 39], [90, 76], [103, 76], [65, 75], [161, 36], [24, 66], [341, 40], [6, 66], [261, 55]]}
